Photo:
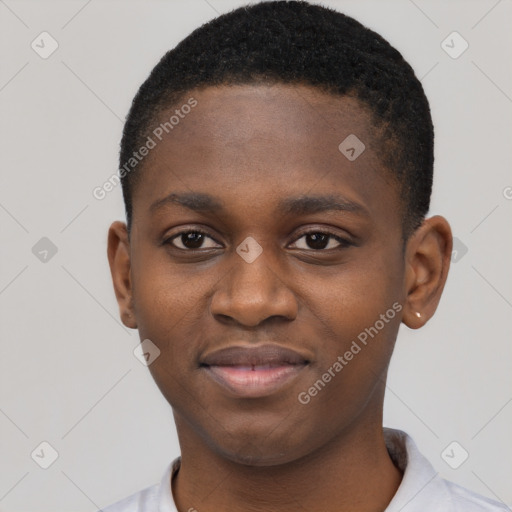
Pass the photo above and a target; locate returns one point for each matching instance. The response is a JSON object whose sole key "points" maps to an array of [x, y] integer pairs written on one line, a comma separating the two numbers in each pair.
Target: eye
{"points": [[319, 240], [192, 240]]}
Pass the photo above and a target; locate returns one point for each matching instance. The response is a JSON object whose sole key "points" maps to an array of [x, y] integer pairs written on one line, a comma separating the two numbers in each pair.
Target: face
{"points": [[253, 230]]}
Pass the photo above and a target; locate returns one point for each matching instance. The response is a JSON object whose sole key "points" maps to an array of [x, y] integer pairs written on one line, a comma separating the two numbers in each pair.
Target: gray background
{"points": [[68, 373]]}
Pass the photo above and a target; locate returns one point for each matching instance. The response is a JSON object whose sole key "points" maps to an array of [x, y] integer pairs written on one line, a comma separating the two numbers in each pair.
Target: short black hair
{"points": [[295, 42]]}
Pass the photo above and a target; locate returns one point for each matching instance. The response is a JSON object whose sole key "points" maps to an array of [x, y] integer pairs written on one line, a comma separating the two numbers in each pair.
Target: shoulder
{"points": [[142, 501], [464, 500], [158, 497], [423, 489]]}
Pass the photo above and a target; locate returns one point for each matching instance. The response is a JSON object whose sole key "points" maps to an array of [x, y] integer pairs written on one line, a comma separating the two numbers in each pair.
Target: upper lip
{"points": [[239, 355]]}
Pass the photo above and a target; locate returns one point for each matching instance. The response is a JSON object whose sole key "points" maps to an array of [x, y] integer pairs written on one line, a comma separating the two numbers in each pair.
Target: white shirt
{"points": [[421, 489]]}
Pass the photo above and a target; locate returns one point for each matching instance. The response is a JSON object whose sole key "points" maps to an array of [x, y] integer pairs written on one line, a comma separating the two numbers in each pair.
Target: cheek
{"points": [[162, 312], [360, 312], [170, 304], [355, 299], [163, 294]]}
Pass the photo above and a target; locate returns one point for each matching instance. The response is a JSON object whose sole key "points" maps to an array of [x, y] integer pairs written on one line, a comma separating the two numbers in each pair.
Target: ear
{"points": [[118, 252], [427, 260]]}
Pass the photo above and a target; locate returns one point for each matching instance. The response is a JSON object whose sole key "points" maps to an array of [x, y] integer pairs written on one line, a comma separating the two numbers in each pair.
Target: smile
{"points": [[252, 372]]}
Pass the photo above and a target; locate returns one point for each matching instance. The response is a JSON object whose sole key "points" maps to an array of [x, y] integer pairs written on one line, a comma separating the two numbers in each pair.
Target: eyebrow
{"points": [[195, 201], [304, 205], [301, 205]]}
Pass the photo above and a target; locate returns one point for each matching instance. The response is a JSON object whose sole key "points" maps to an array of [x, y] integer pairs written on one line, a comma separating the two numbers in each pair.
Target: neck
{"points": [[353, 471]]}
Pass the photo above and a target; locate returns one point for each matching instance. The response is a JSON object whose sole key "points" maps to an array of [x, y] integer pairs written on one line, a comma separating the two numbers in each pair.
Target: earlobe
{"points": [[118, 252], [427, 254]]}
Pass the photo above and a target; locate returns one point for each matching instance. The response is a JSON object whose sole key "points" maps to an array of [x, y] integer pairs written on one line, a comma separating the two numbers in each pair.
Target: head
{"points": [[281, 199]]}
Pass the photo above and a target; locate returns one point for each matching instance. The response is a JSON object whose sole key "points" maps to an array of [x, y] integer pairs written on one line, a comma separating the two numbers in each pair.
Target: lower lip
{"points": [[248, 383]]}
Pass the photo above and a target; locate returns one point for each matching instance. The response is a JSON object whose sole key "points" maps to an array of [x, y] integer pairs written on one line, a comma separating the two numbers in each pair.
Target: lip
{"points": [[252, 372]]}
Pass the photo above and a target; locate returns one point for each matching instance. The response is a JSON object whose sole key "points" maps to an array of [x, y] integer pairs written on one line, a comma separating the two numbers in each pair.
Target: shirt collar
{"points": [[421, 487]]}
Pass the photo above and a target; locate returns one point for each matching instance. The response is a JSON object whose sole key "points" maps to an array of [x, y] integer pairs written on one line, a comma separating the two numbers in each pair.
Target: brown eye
{"points": [[317, 240], [192, 240]]}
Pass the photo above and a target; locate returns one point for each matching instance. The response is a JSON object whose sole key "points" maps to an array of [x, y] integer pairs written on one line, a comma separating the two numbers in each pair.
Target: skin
{"points": [[251, 147]]}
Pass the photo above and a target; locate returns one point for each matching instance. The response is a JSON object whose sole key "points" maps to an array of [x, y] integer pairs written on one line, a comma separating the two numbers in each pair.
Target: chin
{"points": [[257, 450], [247, 457]]}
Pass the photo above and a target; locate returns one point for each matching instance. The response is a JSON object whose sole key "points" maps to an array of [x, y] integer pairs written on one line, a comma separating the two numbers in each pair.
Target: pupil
{"points": [[317, 240], [192, 240]]}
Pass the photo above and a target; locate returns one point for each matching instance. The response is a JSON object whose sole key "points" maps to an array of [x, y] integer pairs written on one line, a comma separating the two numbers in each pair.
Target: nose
{"points": [[252, 293]]}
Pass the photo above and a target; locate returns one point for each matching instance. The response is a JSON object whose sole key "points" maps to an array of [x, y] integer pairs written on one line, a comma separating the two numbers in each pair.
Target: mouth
{"points": [[252, 372]]}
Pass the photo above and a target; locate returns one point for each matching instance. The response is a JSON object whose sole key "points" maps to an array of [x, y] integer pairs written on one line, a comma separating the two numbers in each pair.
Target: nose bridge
{"points": [[253, 290], [254, 275]]}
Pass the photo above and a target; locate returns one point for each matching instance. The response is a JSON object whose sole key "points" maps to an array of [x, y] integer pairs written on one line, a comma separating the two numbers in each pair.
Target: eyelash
{"points": [[342, 241]]}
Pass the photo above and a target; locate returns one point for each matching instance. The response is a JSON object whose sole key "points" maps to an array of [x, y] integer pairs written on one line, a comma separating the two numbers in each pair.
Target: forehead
{"points": [[224, 109], [265, 142], [299, 115]]}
